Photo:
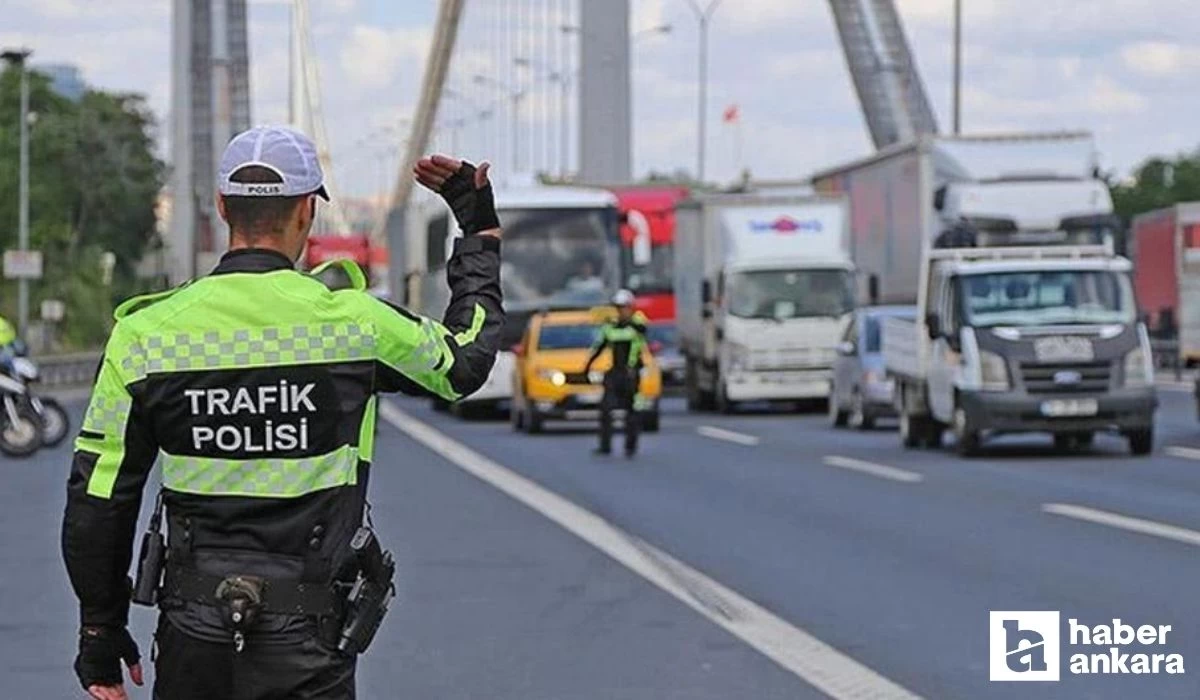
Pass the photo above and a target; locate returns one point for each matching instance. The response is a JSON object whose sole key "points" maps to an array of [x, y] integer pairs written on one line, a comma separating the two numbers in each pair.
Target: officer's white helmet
{"points": [[623, 297]]}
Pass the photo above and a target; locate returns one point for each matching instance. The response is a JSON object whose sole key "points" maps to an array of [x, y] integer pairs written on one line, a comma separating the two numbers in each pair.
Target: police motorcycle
{"points": [[53, 417], [21, 431]]}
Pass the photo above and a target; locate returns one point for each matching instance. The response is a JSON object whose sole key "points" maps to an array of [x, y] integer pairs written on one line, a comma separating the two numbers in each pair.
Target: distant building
{"points": [[65, 78]]}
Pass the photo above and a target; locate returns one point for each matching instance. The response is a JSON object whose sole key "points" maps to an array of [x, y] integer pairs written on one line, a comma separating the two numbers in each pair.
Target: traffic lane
{"points": [[1075, 552], [1023, 468], [868, 566], [496, 601], [493, 600], [39, 618]]}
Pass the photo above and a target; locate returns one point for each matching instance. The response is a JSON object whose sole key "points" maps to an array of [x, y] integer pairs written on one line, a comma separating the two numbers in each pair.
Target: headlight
{"points": [[1137, 370], [553, 376], [993, 372]]}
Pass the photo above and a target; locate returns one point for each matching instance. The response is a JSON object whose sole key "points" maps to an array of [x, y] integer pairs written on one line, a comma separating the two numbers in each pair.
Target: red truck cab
{"points": [[648, 215]]}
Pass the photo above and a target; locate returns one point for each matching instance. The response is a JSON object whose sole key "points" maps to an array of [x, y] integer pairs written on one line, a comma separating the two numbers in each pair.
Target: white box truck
{"points": [[1026, 320], [764, 287]]}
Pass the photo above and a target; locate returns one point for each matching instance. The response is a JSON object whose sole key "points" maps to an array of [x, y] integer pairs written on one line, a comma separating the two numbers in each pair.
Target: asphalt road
{"points": [[891, 557]]}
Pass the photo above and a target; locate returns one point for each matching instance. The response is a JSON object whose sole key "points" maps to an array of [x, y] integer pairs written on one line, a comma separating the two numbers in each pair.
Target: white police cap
{"points": [[288, 153]]}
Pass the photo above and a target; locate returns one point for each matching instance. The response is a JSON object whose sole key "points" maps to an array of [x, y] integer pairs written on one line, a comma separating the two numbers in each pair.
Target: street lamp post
{"points": [[957, 67], [704, 16], [18, 58]]}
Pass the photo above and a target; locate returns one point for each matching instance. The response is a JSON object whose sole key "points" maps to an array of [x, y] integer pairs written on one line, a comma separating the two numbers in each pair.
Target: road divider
{"points": [[1124, 522], [815, 662], [712, 431], [1183, 452], [882, 471]]}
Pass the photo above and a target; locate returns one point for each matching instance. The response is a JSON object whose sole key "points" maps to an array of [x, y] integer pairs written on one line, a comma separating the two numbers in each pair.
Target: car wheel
{"points": [[859, 418], [1141, 442], [533, 421], [967, 441]]}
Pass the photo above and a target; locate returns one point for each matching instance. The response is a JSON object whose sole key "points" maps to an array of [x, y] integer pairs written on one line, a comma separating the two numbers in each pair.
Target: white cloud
{"points": [[372, 57], [1159, 58], [1108, 97]]}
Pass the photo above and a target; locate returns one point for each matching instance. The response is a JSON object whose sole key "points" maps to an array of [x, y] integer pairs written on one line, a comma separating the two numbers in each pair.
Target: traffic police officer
{"points": [[626, 338], [255, 387]]}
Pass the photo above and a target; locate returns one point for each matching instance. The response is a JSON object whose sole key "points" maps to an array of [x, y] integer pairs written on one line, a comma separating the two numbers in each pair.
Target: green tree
{"points": [[1158, 182], [94, 181]]}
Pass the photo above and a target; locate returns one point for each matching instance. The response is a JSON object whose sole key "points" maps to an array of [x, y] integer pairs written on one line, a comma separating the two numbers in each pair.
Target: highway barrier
{"points": [[63, 371]]}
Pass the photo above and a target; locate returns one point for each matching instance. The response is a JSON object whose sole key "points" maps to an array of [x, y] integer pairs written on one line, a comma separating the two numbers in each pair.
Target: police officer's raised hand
{"points": [[465, 188], [98, 665]]}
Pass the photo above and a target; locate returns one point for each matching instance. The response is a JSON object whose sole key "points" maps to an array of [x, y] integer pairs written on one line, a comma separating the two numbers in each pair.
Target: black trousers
{"points": [[620, 387], [188, 668]]}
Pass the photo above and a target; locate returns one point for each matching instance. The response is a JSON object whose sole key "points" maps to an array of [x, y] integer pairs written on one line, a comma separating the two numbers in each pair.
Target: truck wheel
{"points": [[724, 405], [859, 418], [697, 398], [966, 441], [910, 436], [933, 434], [1141, 442], [837, 417]]}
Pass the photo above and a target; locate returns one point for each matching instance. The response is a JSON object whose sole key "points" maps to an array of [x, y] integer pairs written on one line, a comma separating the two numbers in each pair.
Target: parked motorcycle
{"points": [[53, 417], [20, 425]]}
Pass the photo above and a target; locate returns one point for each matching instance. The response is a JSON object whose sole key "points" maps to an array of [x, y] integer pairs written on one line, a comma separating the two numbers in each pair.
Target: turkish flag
{"points": [[731, 114]]}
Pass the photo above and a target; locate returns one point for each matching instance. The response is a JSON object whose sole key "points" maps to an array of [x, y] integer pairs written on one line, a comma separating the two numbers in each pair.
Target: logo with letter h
{"points": [[1024, 645]]}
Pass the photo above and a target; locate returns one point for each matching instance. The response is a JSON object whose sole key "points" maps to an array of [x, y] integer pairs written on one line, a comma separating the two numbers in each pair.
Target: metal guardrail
{"points": [[76, 369]]}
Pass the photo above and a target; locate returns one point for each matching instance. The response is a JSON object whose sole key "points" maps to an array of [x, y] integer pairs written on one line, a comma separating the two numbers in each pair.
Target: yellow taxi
{"points": [[548, 378]]}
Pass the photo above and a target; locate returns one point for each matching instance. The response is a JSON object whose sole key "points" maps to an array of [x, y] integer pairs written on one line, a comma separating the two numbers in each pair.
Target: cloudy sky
{"points": [[1113, 66]]}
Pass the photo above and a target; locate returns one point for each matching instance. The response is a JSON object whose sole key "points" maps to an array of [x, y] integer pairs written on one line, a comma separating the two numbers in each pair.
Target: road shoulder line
{"points": [[797, 651]]}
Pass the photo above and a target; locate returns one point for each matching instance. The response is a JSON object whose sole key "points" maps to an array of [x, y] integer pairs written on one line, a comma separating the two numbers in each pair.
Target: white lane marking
{"points": [[814, 661], [712, 431], [1184, 452], [882, 471], [1125, 522]]}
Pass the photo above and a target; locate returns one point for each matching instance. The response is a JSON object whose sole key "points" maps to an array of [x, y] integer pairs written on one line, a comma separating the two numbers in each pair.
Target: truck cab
{"points": [[1024, 339], [764, 289]]}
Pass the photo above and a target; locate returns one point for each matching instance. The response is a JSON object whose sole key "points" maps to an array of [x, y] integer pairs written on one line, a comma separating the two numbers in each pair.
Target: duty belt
{"points": [[286, 597]]}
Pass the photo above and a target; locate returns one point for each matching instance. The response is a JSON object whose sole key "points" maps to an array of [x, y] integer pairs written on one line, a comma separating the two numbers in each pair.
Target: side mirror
{"points": [[939, 198], [706, 311], [873, 289], [933, 324], [705, 291], [846, 348], [641, 246]]}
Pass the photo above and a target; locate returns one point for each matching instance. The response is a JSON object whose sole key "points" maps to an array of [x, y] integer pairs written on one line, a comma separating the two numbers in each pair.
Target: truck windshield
{"points": [[1047, 297], [559, 256], [784, 294]]}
